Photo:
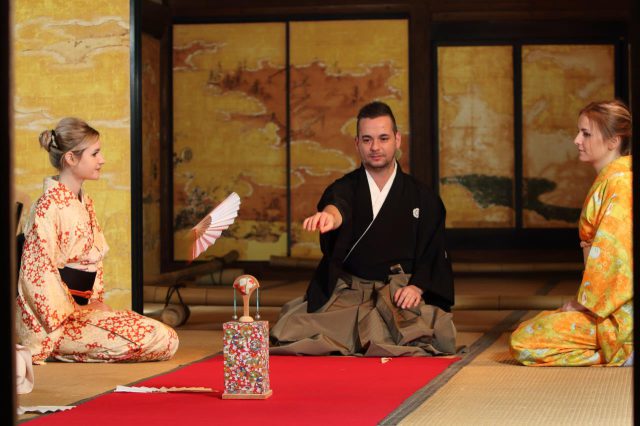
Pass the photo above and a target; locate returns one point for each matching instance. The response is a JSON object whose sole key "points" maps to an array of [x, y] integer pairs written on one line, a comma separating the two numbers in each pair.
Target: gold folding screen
{"points": [[475, 122], [477, 137], [230, 121], [557, 82], [336, 68], [228, 133], [73, 59]]}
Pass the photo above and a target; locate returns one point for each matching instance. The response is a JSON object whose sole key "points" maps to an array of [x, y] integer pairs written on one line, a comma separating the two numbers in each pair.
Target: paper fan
{"points": [[210, 228]]}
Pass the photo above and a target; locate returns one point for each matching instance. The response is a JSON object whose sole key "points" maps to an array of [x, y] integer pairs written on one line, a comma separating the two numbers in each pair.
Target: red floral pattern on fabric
{"points": [[63, 230]]}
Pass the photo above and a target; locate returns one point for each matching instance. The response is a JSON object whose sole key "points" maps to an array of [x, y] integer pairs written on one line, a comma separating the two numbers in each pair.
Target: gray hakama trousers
{"points": [[360, 318]]}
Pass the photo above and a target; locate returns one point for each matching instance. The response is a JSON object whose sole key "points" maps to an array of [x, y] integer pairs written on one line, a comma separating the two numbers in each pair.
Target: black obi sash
{"points": [[80, 283]]}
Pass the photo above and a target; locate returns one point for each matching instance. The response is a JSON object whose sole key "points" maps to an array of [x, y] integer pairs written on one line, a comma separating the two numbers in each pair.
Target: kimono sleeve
{"points": [[40, 282], [339, 194], [98, 286], [101, 244], [607, 283], [432, 272]]}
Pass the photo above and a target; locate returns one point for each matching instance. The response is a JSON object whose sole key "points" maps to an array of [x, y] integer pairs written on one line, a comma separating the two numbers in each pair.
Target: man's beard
{"points": [[384, 165]]}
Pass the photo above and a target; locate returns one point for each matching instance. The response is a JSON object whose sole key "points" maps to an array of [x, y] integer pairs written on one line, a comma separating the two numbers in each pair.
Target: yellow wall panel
{"points": [[557, 82], [229, 122], [72, 59], [336, 68], [475, 122]]}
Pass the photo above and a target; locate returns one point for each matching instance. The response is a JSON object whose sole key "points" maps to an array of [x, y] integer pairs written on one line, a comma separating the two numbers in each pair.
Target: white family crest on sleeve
{"points": [[416, 212]]}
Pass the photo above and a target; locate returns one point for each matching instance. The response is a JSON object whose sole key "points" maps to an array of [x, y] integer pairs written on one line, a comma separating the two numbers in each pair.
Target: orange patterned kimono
{"points": [[602, 335], [62, 231]]}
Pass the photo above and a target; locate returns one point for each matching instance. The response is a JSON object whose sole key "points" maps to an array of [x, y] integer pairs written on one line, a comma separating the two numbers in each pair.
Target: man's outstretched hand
{"points": [[324, 221]]}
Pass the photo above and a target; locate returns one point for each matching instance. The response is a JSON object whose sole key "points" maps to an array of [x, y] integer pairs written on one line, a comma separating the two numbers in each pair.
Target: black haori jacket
{"points": [[408, 230]]}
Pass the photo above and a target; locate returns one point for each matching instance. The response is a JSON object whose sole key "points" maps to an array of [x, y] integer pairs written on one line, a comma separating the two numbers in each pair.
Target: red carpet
{"points": [[306, 390]]}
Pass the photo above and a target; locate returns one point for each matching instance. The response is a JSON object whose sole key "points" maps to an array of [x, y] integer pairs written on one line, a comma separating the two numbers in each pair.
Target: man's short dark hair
{"points": [[375, 109]]}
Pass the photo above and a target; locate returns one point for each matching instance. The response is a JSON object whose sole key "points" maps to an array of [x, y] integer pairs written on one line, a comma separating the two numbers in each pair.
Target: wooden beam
{"points": [[156, 18], [527, 10], [203, 9], [8, 235]]}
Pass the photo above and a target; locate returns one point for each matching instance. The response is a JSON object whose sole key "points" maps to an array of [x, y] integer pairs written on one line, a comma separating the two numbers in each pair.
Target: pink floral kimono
{"points": [[62, 232]]}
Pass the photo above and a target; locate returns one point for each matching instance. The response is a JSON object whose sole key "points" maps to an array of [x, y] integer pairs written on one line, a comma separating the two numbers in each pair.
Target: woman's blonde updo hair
{"points": [[71, 134], [613, 119]]}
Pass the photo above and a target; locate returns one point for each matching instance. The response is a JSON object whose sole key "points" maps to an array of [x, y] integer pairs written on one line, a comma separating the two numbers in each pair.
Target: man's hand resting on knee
{"points": [[324, 221], [407, 297]]}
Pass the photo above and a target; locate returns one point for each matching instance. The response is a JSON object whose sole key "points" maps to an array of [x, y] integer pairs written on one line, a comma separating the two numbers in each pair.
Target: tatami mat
{"points": [[493, 389]]}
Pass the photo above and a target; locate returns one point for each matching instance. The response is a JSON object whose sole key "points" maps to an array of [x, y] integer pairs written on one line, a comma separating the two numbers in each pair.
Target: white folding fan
{"points": [[210, 228]]}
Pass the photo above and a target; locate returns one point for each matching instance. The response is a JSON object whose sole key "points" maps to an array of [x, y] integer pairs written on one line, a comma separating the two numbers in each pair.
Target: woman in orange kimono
{"points": [[597, 327], [61, 313]]}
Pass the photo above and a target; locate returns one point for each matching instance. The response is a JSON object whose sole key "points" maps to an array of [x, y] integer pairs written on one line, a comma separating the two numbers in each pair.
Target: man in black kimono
{"points": [[384, 285]]}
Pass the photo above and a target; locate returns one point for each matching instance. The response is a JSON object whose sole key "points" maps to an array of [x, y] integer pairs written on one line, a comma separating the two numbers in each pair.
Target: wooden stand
{"points": [[246, 360], [247, 395]]}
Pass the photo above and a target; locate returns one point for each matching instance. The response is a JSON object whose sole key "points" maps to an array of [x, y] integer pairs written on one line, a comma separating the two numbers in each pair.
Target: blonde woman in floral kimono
{"points": [[61, 312], [597, 327]]}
